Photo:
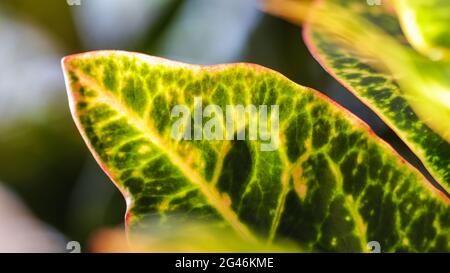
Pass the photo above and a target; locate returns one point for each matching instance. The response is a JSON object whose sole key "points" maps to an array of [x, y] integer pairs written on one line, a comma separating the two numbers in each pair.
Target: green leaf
{"points": [[332, 185], [379, 90], [425, 23], [55, 17]]}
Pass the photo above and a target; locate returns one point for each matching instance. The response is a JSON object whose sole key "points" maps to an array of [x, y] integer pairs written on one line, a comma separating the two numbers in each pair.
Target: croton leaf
{"points": [[379, 90], [330, 184]]}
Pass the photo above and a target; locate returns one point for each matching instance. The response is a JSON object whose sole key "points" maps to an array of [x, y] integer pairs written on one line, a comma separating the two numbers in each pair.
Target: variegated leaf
{"points": [[331, 184]]}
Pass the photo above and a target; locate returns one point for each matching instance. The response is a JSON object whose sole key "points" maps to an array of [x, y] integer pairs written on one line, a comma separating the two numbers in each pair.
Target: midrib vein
{"points": [[211, 194]]}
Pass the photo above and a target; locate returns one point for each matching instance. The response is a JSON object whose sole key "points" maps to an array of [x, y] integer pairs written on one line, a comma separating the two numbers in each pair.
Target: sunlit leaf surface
{"points": [[331, 185], [426, 25]]}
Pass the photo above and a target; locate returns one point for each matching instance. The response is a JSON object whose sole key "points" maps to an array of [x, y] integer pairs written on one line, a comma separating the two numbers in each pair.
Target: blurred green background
{"points": [[45, 168]]}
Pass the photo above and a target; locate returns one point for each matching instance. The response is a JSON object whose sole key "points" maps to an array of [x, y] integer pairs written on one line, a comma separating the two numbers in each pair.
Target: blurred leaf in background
{"points": [[53, 16], [21, 231], [176, 236], [41, 153]]}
